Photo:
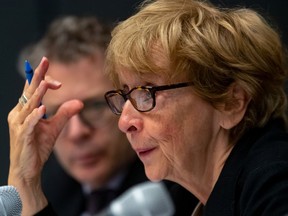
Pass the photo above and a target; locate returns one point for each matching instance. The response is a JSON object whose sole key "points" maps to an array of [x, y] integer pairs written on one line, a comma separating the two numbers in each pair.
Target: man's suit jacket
{"points": [[66, 195]]}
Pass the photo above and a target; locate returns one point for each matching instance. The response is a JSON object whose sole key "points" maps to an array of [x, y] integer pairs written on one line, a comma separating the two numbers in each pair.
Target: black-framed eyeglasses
{"points": [[141, 97], [95, 113]]}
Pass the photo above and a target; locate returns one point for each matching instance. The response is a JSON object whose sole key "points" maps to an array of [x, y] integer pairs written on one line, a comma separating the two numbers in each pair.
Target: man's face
{"points": [[93, 153]]}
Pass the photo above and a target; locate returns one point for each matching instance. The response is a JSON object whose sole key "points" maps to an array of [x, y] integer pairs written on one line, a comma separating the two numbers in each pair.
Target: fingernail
{"points": [[55, 82]]}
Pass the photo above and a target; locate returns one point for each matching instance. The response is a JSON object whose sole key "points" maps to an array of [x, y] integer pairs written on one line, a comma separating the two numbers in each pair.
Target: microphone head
{"points": [[10, 202], [145, 199]]}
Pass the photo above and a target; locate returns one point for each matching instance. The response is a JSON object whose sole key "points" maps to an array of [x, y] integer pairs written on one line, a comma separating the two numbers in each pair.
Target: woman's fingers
{"points": [[19, 105], [32, 120], [33, 101], [64, 113], [53, 84], [38, 76]]}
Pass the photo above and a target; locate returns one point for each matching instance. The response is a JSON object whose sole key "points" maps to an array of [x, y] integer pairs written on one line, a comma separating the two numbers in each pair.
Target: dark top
{"points": [[254, 179], [66, 195]]}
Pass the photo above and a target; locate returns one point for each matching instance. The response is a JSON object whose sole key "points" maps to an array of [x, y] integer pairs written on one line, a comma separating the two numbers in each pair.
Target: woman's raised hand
{"points": [[32, 138]]}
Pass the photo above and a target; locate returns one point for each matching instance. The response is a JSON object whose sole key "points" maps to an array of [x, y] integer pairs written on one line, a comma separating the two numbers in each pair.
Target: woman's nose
{"points": [[130, 120]]}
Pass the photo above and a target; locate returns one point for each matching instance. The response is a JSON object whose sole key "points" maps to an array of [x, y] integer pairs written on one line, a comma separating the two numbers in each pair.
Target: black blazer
{"points": [[254, 180]]}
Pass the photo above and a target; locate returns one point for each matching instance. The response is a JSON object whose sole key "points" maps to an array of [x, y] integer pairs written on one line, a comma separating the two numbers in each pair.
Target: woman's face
{"points": [[170, 138]]}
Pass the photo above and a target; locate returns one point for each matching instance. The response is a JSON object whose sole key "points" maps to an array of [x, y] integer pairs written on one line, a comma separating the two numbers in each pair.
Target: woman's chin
{"points": [[154, 175]]}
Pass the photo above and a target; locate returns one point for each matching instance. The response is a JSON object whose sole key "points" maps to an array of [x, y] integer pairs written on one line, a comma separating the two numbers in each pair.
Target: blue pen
{"points": [[28, 71], [29, 75]]}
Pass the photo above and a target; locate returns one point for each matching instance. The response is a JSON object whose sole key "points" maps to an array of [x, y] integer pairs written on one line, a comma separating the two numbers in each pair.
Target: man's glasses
{"points": [[95, 113], [141, 97]]}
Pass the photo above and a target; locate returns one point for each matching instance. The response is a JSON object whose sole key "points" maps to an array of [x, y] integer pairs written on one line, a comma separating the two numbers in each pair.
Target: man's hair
{"points": [[69, 39], [214, 47]]}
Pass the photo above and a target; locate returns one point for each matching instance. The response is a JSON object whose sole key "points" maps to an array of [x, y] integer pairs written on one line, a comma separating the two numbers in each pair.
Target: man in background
{"points": [[92, 158]]}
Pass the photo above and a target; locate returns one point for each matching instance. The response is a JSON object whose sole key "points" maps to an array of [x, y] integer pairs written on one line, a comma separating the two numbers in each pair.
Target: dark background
{"points": [[23, 22]]}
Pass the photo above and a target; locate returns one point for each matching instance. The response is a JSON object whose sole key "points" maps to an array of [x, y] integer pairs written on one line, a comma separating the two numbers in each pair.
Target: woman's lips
{"points": [[143, 153]]}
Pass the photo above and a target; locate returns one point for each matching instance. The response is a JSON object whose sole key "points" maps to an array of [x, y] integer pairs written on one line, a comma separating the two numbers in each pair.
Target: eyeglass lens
{"points": [[141, 99], [95, 113]]}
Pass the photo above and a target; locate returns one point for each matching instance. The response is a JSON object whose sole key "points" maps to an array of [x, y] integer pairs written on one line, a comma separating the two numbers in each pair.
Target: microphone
{"points": [[10, 202], [145, 199]]}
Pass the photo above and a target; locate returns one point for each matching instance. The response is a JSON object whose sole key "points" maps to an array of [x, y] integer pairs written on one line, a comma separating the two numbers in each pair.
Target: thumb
{"points": [[65, 112]]}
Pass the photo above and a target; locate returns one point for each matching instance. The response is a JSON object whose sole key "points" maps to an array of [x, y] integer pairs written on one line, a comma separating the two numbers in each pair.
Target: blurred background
{"points": [[23, 22]]}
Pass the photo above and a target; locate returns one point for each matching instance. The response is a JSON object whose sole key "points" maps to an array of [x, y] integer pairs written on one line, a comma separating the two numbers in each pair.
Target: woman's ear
{"points": [[233, 111]]}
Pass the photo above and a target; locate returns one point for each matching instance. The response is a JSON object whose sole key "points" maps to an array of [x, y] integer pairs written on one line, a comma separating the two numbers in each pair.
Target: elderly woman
{"points": [[201, 99], [202, 102]]}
